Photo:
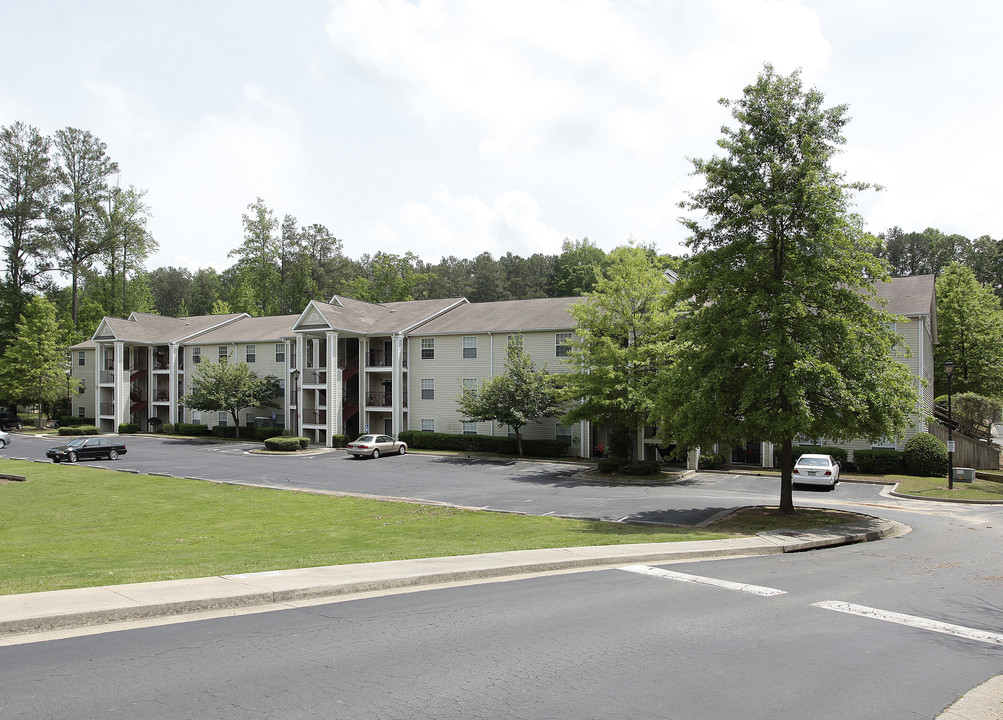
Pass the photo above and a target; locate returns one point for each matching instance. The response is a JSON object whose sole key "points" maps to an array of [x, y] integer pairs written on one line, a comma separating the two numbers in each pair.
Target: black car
{"points": [[10, 421], [86, 447]]}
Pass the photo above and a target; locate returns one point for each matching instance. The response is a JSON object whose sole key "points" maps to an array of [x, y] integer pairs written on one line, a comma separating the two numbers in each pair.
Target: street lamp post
{"points": [[948, 370], [294, 400]]}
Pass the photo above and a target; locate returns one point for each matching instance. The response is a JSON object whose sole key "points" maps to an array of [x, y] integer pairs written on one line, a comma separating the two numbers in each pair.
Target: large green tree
{"points": [[231, 387], [82, 170], [128, 243], [575, 268], [258, 258], [26, 185], [522, 394], [622, 341], [33, 371], [783, 337], [970, 329]]}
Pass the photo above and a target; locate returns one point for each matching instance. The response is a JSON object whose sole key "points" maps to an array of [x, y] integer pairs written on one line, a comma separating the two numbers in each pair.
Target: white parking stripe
{"points": [[683, 577], [912, 621]]}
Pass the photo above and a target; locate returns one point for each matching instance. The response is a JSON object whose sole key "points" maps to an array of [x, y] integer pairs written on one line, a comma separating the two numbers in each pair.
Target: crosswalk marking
{"points": [[912, 621], [683, 577]]}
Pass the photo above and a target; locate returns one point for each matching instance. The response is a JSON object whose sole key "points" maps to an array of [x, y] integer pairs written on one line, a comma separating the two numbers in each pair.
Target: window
{"points": [[470, 347], [563, 344], [428, 348], [81, 357], [249, 420], [282, 387], [221, 418], [563, 433], [196, 355], [280, 352], [196, 417], [428, 388], [222, 353], [426, 425], [249, 353], [469, 428], [514, 340], [80, 387], [469, 385], [80, 412], [883, 443]]}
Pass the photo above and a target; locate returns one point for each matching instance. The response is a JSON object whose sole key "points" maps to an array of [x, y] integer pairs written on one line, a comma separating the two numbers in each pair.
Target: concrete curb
{"points": [[984, 702], [64, 609]]}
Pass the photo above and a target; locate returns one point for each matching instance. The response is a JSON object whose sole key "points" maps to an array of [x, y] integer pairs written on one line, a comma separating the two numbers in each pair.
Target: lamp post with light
{"points": [[948, 369]]}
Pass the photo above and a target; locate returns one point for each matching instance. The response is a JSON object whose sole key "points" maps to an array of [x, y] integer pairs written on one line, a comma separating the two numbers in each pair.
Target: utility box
{"points": [[964, 474]]}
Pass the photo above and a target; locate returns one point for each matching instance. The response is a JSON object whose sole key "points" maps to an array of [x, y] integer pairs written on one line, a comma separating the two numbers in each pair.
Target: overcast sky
{"points": [[452, 127]]}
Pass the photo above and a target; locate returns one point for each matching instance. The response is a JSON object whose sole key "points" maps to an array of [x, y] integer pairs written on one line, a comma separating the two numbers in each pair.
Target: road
{"points": [[598, 644]]}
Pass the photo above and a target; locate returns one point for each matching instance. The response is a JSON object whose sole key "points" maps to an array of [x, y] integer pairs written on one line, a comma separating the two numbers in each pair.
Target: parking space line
{"points": [[683, 577], [912, 621]]}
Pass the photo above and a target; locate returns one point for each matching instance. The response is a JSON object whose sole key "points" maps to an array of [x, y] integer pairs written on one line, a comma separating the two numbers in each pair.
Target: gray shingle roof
{"points": [[355, 316], [250, 329], [162, 329], [505, 316]]}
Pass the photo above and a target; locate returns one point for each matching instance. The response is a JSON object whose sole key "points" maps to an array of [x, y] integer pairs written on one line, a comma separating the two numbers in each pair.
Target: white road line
{"points": [[913, 621], [683, 577]]}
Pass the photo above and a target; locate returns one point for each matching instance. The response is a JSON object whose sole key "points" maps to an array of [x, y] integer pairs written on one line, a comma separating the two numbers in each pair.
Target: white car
{"points": [[816, 470], [375, 445], [4, 439]]}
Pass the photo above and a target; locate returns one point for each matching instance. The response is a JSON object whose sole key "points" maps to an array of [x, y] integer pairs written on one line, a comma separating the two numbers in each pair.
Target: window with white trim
{"points": [[515, 339], [222, 353], [428, 388], [81, 358], [280, 352], [221, 418], [196, 355], [427, 425], [81, 411], [469, 385], [563, 346], [470, 346], [469, 428], [249, 353], [883, 444], [80, 388], [196, 417], [428, 348], [563, 433]]}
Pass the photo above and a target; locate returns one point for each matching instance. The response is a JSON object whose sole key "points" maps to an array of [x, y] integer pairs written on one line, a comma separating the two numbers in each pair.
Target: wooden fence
{"points": [[967, 452]]}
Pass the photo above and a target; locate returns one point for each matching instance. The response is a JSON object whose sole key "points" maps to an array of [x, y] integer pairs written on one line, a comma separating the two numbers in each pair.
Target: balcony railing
{"points": [[107, 376], [107, 408], [381, 399], [314, 376], [382, 358]]}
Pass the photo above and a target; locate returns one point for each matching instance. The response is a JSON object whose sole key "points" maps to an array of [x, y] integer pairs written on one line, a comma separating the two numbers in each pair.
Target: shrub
{"points": [[925, 455], [711, 461], [611, 465], [167, 428], [282, 444], [80, 430], [124, 428], [646, 467], [880, 461], [69, 421], [339, 440], [263, 433], [500, 445], [224, 431], [191, 429], [304, 442]]}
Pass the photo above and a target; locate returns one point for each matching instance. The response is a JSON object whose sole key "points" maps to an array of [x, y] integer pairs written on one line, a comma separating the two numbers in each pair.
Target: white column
{"points": [[122, 400], [288, 401], [172, 391], [767, 454], [334, 390], [397, 384]]}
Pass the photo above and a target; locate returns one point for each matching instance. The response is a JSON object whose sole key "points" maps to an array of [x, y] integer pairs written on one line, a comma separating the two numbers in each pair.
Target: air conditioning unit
{"points": [[964, 474]]}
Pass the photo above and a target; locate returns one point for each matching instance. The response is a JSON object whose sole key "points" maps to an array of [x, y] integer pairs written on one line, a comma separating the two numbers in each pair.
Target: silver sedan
{"points": [[375, 445]]}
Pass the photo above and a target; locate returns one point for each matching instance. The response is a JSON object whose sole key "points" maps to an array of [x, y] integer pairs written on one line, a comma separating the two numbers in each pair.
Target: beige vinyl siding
{"points": [[88, 376]]}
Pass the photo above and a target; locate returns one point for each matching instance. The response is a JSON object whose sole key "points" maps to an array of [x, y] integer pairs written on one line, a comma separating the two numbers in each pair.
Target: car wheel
{"points": [[113, 455], [402, 450], [376, 453], [72, 457], [3, 443]]}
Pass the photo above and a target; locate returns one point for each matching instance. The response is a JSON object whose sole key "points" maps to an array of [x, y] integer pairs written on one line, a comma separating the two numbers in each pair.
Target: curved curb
{"points": [[30, 613], [984, 702], [958, 501]]}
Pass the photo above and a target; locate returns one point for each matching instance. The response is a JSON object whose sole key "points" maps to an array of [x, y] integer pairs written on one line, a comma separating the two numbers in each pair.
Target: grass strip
{"points": [[936, 487], [75, 526]]}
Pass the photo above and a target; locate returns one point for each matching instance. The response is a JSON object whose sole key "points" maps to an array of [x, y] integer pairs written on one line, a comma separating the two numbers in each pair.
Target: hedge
{"points": [[80, 430], [191, 429], [124, 428], [286, 444], [68, 421], [880, 461], [711, 461], [499, 444], [925, 455]]}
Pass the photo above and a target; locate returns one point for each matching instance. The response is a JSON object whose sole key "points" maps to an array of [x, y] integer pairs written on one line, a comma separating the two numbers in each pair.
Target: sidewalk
{"points": [[64, 609]]}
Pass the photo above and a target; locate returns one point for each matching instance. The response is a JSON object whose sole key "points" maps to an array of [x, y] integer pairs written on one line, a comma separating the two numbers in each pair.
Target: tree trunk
{"points": [[518, 439], [786, 479]]}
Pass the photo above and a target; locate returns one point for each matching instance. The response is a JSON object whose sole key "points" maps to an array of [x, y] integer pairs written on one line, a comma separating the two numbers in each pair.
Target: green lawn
{"points": [[936, 487], [76, 526]]}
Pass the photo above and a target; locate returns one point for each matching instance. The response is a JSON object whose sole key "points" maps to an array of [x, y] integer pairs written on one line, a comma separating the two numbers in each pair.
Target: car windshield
{"points": [[366, 439], [814, 462], [76, 442]]}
